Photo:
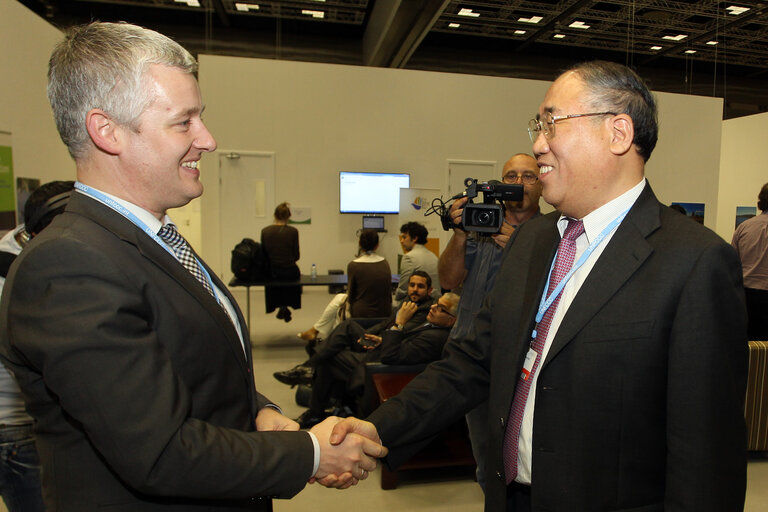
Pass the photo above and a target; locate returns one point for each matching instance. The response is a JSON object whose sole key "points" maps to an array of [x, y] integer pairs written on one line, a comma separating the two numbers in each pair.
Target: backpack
{"points": [[248, 261]]}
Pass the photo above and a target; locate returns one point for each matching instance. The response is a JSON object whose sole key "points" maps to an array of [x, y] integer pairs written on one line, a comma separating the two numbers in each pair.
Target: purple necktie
{"points": [[565, 254]]}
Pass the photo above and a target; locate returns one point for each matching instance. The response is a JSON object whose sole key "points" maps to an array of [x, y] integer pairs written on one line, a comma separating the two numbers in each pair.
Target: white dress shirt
{"points": [[594, 223]]}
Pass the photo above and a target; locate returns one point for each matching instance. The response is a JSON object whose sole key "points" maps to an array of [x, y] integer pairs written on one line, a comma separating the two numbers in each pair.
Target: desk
{"points": [[304, 280]]}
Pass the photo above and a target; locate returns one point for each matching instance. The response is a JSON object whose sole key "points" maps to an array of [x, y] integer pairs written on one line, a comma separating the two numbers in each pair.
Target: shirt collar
{"points": [[596, 221], [143, 215]]}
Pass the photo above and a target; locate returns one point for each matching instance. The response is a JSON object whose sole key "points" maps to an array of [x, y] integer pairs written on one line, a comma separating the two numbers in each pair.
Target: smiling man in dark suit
{"points": [[622, 389], [133, 358]]}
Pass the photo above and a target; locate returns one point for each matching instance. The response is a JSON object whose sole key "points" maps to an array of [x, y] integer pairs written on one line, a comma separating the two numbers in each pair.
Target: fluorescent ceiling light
{"points": [[559, 36], [735, 10], [579, 24], [246, 7], [690, 51], [711, 43], [454, 25], [532, 19], [468, 12], [655, 47], [314, 14], [520, 32], [678, 37], [191, 3]]}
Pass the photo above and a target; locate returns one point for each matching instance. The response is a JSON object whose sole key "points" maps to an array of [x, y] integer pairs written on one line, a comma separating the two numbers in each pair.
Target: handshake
{"points": [[348, 451]]}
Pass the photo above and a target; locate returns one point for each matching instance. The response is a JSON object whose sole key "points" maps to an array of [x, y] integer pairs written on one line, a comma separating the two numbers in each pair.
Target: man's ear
{"points": [[104, 131], [622, 134]]}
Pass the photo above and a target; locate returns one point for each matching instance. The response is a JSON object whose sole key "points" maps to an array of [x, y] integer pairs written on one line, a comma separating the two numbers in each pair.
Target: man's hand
{"points": [[369, 341], [270, 419], [343, 464], [502, 237], [456, 210], [406, 312]]}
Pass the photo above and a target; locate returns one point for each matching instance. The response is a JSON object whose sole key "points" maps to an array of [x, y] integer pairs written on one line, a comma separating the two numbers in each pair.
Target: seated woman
{"points": [[369, 290]]}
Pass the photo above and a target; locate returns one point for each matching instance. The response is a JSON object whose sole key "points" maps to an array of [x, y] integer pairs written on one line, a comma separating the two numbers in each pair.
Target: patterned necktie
{"points": [[180, 247], [566, 251]]}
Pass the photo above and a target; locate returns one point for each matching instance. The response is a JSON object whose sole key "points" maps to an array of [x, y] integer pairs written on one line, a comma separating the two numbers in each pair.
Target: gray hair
{"points": [[102, 65], [453, 298], [617, 88]]}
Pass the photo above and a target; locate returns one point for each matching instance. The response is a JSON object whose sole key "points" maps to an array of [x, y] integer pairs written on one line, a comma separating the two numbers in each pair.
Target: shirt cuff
{"points": [[317, 452]]}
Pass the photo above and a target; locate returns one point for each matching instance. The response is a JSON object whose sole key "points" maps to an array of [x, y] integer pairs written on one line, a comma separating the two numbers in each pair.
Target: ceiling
{"points": [[702, 47]]}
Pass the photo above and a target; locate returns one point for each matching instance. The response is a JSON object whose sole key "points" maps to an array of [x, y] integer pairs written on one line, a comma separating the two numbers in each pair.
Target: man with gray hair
{"points": [[133, 358], [613, 346]]}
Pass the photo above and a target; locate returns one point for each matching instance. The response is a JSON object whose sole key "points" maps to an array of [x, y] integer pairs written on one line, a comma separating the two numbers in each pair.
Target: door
{"points": [[246, 199], [459, 170]]}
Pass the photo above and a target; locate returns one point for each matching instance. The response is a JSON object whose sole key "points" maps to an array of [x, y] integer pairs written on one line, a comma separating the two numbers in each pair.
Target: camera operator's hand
{"points": [[457, 208], [502, 237]]}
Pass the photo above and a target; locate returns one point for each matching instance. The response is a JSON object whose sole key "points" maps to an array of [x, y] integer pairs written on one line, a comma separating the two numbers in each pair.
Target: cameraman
{"points": [[473, 260]]}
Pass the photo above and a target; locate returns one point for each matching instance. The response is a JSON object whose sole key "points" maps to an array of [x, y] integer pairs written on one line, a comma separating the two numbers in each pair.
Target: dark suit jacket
{"points": [[639, 403], [141, 391]]}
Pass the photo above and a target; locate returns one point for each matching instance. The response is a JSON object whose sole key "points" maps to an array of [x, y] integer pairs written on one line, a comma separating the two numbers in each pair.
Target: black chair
{"points": [[333, 289]]}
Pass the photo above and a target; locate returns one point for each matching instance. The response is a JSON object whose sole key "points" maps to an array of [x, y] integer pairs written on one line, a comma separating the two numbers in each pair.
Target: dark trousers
{"points": [[344, 336], [757, 314], [518, 498]]}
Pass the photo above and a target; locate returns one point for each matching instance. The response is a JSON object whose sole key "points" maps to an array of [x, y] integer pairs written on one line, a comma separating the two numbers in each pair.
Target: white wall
{"points": [[743, 167], [26, 42], [320, 119]]}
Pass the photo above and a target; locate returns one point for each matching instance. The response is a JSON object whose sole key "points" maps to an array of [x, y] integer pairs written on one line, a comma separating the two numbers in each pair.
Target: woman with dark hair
{"points": [[369, 290], [280, 243]]}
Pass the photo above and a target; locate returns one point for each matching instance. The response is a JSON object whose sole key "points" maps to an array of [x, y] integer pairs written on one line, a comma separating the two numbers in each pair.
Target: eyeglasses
{"points": [[527, 178], [441, 309], [548, 126]]}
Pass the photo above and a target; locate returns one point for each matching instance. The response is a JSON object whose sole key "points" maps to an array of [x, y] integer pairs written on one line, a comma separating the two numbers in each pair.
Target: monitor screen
{"points": [[371, 192]]}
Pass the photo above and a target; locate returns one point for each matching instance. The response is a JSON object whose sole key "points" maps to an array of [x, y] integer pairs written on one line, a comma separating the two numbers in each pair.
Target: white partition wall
{"points": [[320, 119]]}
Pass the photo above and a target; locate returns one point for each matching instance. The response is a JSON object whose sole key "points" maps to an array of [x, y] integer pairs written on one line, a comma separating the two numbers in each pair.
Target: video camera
{"points": [[485, 218]]}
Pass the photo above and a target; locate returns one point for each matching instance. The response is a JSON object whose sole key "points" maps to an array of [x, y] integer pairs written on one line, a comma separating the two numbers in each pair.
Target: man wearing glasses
{"points": [[613, 346], [471, 261]]}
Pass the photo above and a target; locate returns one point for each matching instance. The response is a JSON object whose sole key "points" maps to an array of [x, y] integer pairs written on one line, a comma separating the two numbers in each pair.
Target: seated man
{"points": [[347, 333], [343, 375], [413, 238]]}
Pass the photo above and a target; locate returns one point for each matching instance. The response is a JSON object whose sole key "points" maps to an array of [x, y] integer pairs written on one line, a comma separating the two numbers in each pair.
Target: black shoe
{"points": [[280, 313], [287, 316], [309, 419], [299, 374]]}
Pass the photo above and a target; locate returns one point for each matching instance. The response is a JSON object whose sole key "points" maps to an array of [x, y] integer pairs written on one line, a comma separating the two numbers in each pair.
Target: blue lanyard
{"points": [[125, 212], [546, 302]]}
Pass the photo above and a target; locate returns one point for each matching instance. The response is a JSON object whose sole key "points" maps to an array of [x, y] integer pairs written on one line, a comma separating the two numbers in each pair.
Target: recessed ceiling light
{"points": [[532, 19], [246, 7], [191, 3], [468, 12], [735, 10], [559, 36], [678, 37], [454, 25], [655, 47], [520, 32], [579, 24], [711, 43], [690, 51], [314, 14]]}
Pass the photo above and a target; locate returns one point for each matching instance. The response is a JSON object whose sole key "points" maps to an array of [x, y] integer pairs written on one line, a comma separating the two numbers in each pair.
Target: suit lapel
{"points": [[623, 255], [149, 249]]}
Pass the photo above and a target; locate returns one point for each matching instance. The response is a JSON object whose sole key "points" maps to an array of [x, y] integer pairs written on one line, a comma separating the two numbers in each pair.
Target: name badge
{"points": [[530, 358]]}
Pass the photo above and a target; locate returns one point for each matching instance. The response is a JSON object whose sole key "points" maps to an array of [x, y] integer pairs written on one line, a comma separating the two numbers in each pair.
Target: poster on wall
{"points": [[692, 210], [414, 202], [7, 203], [300, 215], [743, 213]]}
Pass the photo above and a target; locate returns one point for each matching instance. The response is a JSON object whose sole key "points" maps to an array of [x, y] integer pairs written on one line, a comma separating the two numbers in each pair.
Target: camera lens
{"points": [[484, 218]]}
